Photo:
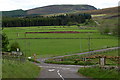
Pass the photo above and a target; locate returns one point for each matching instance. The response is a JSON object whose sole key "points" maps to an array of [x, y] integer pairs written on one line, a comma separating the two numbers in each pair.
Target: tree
{"points": [[14, 46], [78, 25], [5, 42], [69, 23]]}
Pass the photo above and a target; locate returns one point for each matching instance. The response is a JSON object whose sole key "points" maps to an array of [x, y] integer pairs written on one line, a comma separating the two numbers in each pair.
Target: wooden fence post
{"points": [[102, 60]]}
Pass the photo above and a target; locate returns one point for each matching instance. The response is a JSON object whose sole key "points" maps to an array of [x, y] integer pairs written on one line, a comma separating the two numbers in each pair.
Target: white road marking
{"points": [[58, 71], [51, 70]]}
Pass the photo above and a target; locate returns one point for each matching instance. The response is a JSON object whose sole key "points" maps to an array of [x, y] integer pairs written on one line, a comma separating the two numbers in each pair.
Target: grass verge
{"points": [[99, 74], [32, 60], [15, 69], [70, 62]]}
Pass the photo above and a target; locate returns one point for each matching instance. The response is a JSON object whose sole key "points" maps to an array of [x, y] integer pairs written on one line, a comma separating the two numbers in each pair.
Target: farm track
{"points": [[64, 72]]}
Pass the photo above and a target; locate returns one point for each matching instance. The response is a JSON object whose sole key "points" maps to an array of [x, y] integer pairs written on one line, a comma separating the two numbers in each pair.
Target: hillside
{"points": [[111, 10], [47, 10], [14, 13], [60, 9]]}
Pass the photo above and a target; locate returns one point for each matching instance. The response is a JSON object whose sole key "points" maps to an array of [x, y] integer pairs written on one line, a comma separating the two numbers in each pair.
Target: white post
{"points": [[17, 49], [102, 61]]}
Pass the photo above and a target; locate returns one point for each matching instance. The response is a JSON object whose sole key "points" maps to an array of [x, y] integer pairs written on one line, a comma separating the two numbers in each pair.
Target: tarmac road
{"points": [[64, 72], [60, 72]]}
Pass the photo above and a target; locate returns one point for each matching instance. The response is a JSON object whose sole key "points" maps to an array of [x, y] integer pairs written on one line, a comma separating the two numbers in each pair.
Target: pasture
{"points": [[56, 44]]}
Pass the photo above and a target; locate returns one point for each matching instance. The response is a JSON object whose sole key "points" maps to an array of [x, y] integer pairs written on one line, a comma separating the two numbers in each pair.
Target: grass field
{"points": [[56, 47], [16, 69], [56, 44], [100, 74]]}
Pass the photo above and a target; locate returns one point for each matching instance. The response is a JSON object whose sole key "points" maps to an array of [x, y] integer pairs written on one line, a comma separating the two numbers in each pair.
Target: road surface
{"points": [[60, 72], [64, 72]]}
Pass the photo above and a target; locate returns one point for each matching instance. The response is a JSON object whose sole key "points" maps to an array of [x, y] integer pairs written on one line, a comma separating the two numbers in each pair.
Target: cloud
{"points": [[16, 4], [104, 3], [28, 4]]}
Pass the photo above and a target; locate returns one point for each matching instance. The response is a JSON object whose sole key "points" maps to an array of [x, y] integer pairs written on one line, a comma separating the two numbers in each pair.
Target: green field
{"points": [[56, 47], [100, 74], [56, 44], [16, 69]]}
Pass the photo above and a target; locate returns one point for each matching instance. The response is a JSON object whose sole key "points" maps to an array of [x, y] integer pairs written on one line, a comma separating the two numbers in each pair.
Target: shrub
{"points": [[69, 62], [32, 60], [14, 46], [109, 26]]}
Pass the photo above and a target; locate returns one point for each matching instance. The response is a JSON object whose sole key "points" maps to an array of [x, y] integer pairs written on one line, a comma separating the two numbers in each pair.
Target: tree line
{"points": [[67, 19]]}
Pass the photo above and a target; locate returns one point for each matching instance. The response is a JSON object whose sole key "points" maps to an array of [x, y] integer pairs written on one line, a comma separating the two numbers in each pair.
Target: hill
{"points": [[14, 13], [61, 9], [47, 10], [52, 9], [111, 10]]}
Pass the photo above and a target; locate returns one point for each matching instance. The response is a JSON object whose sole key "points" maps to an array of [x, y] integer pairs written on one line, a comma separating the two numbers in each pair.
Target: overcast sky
{"points": [[6, 5]]}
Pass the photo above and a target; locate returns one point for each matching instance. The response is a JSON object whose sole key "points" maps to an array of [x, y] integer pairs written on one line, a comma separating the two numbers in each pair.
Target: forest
{"points": [[61, 20]]}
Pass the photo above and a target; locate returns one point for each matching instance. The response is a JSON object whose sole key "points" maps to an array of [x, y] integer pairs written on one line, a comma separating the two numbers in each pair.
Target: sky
{"points": [[6, 5]]}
